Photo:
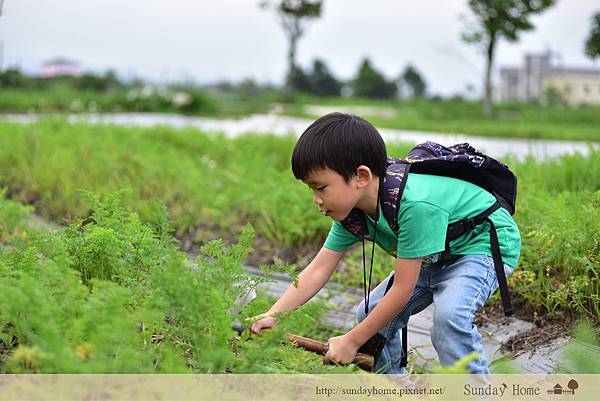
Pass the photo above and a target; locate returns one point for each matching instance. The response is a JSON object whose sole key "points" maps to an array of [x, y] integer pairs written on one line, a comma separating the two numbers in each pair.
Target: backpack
{"points": [[460, 161]]}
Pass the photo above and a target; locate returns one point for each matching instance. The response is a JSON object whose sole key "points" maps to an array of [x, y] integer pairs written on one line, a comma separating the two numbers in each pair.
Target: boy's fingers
{"points": [[327, 361]]}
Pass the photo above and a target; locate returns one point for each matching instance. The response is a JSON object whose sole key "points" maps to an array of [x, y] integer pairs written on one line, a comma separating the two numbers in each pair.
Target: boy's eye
{"points": [[322, 188]]}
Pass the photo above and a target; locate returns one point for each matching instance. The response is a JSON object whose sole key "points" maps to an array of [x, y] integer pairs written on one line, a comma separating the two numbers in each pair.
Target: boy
{"points": [[342, 158]]}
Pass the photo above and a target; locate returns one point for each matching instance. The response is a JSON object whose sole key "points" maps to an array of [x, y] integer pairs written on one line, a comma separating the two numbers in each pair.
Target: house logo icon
{"points": [[559, 390]]}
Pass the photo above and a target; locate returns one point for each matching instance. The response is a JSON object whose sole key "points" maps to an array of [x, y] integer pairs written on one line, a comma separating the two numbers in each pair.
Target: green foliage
{"points": [[323, 83], [414, 81], [56, 317], [592, 43], [293, 17], [582, 353], [135, 304], [287, 359], [98, 83], [300, 80], [319, 82], [201, 178], [505, 18], [12, 215], [161, 313], [558, 213], [554, 97], [370, 83], [13, 78], [96, 93]]}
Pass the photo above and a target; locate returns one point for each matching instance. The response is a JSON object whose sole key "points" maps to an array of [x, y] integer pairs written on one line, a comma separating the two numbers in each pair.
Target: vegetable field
{"points": [[113, 290]]}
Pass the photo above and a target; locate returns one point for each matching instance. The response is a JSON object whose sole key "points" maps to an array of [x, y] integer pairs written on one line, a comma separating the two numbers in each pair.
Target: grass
{"points": [[212, 186], [455, 115], [515, 120], [66, 99]]}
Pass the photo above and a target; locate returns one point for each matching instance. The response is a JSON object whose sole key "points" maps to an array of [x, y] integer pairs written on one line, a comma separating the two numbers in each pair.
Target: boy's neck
{"points": [[368, 202]]}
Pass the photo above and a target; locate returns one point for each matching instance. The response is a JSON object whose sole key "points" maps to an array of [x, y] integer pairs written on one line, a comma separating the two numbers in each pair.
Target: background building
{"points": [[539, 79], [60, 67]]}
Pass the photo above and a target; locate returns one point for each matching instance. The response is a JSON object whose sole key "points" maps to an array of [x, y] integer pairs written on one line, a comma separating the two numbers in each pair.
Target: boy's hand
{"points": [[341, 350], [264, 322]]}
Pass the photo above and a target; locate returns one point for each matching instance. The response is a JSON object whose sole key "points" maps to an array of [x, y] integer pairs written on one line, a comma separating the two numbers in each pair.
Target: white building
{"points": [[539, 79]]}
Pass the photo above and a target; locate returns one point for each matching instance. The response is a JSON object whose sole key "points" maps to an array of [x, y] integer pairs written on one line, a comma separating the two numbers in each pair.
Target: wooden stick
{"points": [[365, 361]]}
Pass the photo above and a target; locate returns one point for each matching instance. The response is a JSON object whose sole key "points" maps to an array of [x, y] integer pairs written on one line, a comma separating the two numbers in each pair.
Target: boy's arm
{"points": [[405, 280], [310, 281]]}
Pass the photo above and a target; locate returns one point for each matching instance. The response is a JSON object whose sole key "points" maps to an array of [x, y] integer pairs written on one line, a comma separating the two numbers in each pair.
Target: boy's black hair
{"points": [[341, 142]]}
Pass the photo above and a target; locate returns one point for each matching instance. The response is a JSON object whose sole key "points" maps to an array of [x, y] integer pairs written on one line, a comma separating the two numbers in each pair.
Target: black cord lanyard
{"points": [[368, 293]]}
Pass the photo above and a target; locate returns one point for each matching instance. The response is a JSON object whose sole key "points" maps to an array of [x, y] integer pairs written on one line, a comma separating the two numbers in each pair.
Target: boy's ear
{"points": [[363, 176]]}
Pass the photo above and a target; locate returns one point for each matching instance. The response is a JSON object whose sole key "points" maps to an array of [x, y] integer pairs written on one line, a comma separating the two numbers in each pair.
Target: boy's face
{"points": [[334, 196]]}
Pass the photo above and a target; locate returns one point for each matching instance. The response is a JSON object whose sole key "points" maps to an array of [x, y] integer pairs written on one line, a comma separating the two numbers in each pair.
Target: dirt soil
{"points": [[264, 251], [548, 327]]}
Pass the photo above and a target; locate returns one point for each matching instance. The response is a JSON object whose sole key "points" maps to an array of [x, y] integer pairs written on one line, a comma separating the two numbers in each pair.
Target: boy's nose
{"points": [[317, 200]]}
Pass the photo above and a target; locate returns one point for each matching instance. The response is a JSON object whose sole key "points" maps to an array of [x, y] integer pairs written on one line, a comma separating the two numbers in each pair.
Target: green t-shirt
{"points": [[429, 203]]}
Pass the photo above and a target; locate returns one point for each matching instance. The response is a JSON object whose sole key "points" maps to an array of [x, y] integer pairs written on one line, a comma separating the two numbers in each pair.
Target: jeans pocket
{"points": [[488, 261]]}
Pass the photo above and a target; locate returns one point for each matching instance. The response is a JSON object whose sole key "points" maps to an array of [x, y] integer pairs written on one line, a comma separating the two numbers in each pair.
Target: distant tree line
{"points": [[14, 78], [318, 80], [368, 82], [102, 92], [294, 16], [491, 21]]}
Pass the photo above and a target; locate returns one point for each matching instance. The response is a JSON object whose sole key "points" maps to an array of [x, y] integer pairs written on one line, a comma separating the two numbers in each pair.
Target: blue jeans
{"points": [[457, 290]]}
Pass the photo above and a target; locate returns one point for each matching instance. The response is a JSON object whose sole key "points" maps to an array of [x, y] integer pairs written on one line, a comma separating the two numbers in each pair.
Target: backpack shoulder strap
{"points": [[391, 188], [356, 223]]}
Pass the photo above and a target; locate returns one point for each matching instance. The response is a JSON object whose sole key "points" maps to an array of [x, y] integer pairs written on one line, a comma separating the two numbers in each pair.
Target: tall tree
{"points": [[371, 83], [496, 19], [293, 16], [323, 83], [592, 44], [299, 80], [414, 81]]}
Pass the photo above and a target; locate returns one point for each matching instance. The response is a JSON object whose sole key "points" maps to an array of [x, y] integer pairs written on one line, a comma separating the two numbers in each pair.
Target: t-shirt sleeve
{"points": [[339, 239], [422, 230]]}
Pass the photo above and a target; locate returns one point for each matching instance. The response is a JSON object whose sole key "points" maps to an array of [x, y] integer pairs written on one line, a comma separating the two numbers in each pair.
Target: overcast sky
{"points": [[235, 39]]}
